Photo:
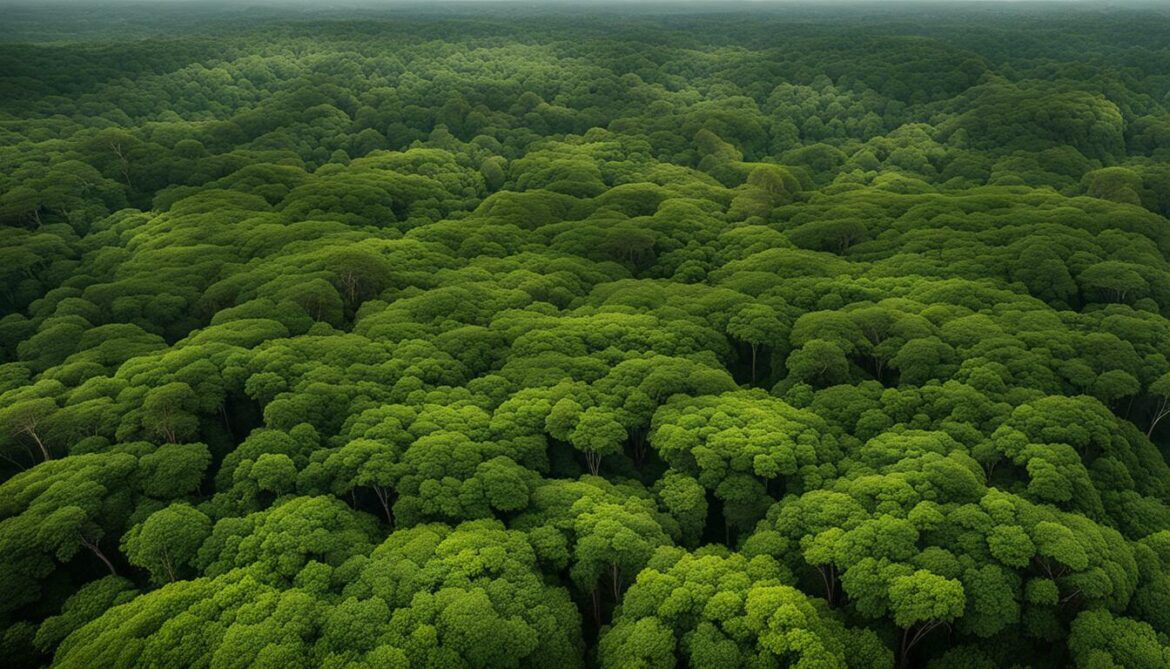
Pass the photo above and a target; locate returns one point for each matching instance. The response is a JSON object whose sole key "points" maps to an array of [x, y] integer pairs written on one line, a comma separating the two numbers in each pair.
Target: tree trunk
{"points": [[829, 576], [594, 461], [227, 425], [910, 640], [596, 596], [638, 437], [125, 163], [168, 566], [755, 347], [31, 430], [383, 498], [1162, 412], [92, 546]]}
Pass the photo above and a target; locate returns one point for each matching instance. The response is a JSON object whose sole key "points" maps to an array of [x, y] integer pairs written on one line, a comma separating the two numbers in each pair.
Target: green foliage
{"points": [[549, 338], [726, 611]]}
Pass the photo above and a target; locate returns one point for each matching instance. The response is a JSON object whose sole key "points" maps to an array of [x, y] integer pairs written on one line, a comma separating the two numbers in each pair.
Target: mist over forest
{"points": [[570, 334]]}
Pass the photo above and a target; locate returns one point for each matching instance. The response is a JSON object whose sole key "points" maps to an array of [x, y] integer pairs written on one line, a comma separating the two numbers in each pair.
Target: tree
{"points": [[1114, 183], [684, 498], [56, 510], [1097, 638], [922, 602], [1161, 390], [167, 411], [613, 544], [1114, 280], [818, 362], [277, 544], [471, 594], [757, 325], [174, 470], [741, 446], [597, 434], [165, 544], [365, 463], [739, 613], [30, 419], [89, 602]]}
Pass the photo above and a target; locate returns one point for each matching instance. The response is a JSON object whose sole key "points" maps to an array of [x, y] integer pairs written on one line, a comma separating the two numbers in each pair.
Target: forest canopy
{"points": [[624, 337]]}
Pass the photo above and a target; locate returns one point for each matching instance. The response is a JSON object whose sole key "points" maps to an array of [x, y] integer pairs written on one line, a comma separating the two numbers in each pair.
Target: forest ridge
{"points": [[571, 337]]}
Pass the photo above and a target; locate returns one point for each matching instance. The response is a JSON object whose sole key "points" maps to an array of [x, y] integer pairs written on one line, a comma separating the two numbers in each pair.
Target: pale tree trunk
{"points": [[30, 428], [96, 550], [909, 640], [594, 461], [755, 347], [1162, 412]]}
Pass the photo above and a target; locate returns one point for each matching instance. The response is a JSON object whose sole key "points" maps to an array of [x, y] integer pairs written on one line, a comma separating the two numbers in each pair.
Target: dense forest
{"points": [[507, 336]]}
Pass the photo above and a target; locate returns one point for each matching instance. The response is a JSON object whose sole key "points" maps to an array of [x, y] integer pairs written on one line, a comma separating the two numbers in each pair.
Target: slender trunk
{"points": [[615, 575], [226, 423], [168, 566], [596, 595], [165, 426], [351, 286], [1044, 565], [125, 163], [639, 439], [755, 347], [829, 577], [93, 547], [904, 650], [1163, 410], [383, 499], [594, 461], [774, 486], [909, 641], [32, 432], [832, 584]]}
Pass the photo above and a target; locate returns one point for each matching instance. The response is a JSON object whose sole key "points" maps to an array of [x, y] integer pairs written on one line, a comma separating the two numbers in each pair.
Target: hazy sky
{"points": [[391, 3]]}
